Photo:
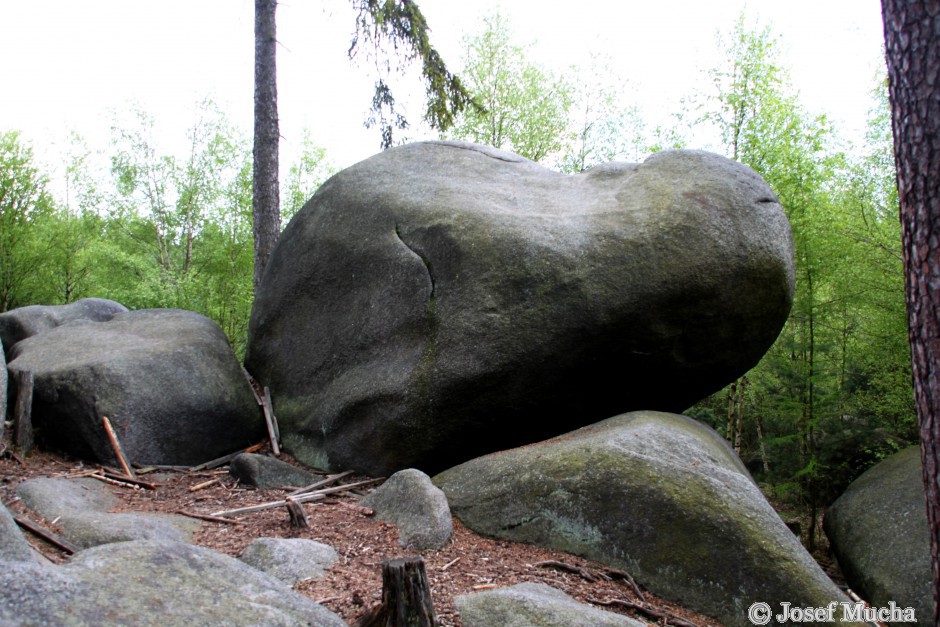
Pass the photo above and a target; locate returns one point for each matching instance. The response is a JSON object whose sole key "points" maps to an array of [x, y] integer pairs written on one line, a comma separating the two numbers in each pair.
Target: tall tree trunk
{"points": [[265, 199], [912, 43], [729, 429]]}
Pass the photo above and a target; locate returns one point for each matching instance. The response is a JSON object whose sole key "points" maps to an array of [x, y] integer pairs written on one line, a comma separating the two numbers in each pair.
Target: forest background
{"points": [[152, 227]]}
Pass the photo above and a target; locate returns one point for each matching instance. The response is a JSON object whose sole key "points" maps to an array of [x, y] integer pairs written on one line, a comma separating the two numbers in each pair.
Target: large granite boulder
{"points": [[658, 495], [290, 559], [533, 605], [23, 322], [167, 380], [3, 389], [442, 300], [263, 471], [80, 509], [879, 534], [418, 508], [149, 583], [13, 546]]}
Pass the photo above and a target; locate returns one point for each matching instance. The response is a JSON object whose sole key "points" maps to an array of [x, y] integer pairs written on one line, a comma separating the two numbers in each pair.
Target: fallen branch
{"points": [[647, 610], [46, 535], [109, 480], [125, 479], [205, 484], [116, 445], [210, 518], [219, 461], [449, 564], [146, 470], [302, 498], [271, 421], [320, 484], [253, 385], [485, 586]]}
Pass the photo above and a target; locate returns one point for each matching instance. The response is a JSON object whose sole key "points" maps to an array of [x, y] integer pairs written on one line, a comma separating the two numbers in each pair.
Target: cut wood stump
{"points": [[298, 515], [406, 596], [23, 411]]}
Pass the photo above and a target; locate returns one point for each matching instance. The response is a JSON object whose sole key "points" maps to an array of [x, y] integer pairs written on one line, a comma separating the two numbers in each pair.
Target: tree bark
{"points": [[912, 43], [406, 596], [23, 411], [265, 191]]}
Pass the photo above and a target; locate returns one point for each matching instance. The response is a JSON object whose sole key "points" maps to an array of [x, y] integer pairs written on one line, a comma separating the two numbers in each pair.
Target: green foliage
{"points": [[164, 230], [305, 176], [399, 24], [603, 127], [25, 206], [834, 392], [524, 106]]}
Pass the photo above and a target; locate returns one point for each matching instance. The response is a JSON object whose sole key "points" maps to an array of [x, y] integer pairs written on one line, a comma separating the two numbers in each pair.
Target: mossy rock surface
{"points": [[150, 583], [167, 379], [879, 534], [443, 300], [656, 494]]}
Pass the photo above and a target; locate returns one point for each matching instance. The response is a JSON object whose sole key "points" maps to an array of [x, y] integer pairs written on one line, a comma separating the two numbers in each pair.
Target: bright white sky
{"points": [[68, 65]]}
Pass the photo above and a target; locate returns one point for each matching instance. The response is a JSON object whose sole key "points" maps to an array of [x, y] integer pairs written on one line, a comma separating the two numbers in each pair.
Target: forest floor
{"points": [[353, 585]]}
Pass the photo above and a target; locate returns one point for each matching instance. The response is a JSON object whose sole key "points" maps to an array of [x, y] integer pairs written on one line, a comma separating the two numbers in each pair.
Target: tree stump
{"points": [[298, 515], [23, 411], [406, 596]]}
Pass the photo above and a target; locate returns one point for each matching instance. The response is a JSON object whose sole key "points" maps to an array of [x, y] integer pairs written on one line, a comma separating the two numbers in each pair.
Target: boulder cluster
{"points": [[525, 337]]}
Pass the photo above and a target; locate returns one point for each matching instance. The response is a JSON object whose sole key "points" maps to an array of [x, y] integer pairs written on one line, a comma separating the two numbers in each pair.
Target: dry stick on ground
{"points": [[23, 411], [205, 484], [320, 484], [406, 596], [271, 421], [46, 535], [227, 521], [652, 612], [107, 474], [252, 385], [301, 498], [116, 445], [219, 461]]}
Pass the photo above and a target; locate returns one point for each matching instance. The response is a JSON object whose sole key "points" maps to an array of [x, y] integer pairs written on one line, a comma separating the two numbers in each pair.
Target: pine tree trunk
{"points": [[912, 42], [265, 199]]}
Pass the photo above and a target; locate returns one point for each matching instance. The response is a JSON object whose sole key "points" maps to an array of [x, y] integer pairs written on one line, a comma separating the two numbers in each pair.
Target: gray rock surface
{"points": [[879, 534], [23, 322], [13, 546], [80, 509], [443, 300], [290, 559], [533, 605], [52, 497], [409, 500], [658, 495], [267, 472], [3, 389], [167, 380], [158, 584]]}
